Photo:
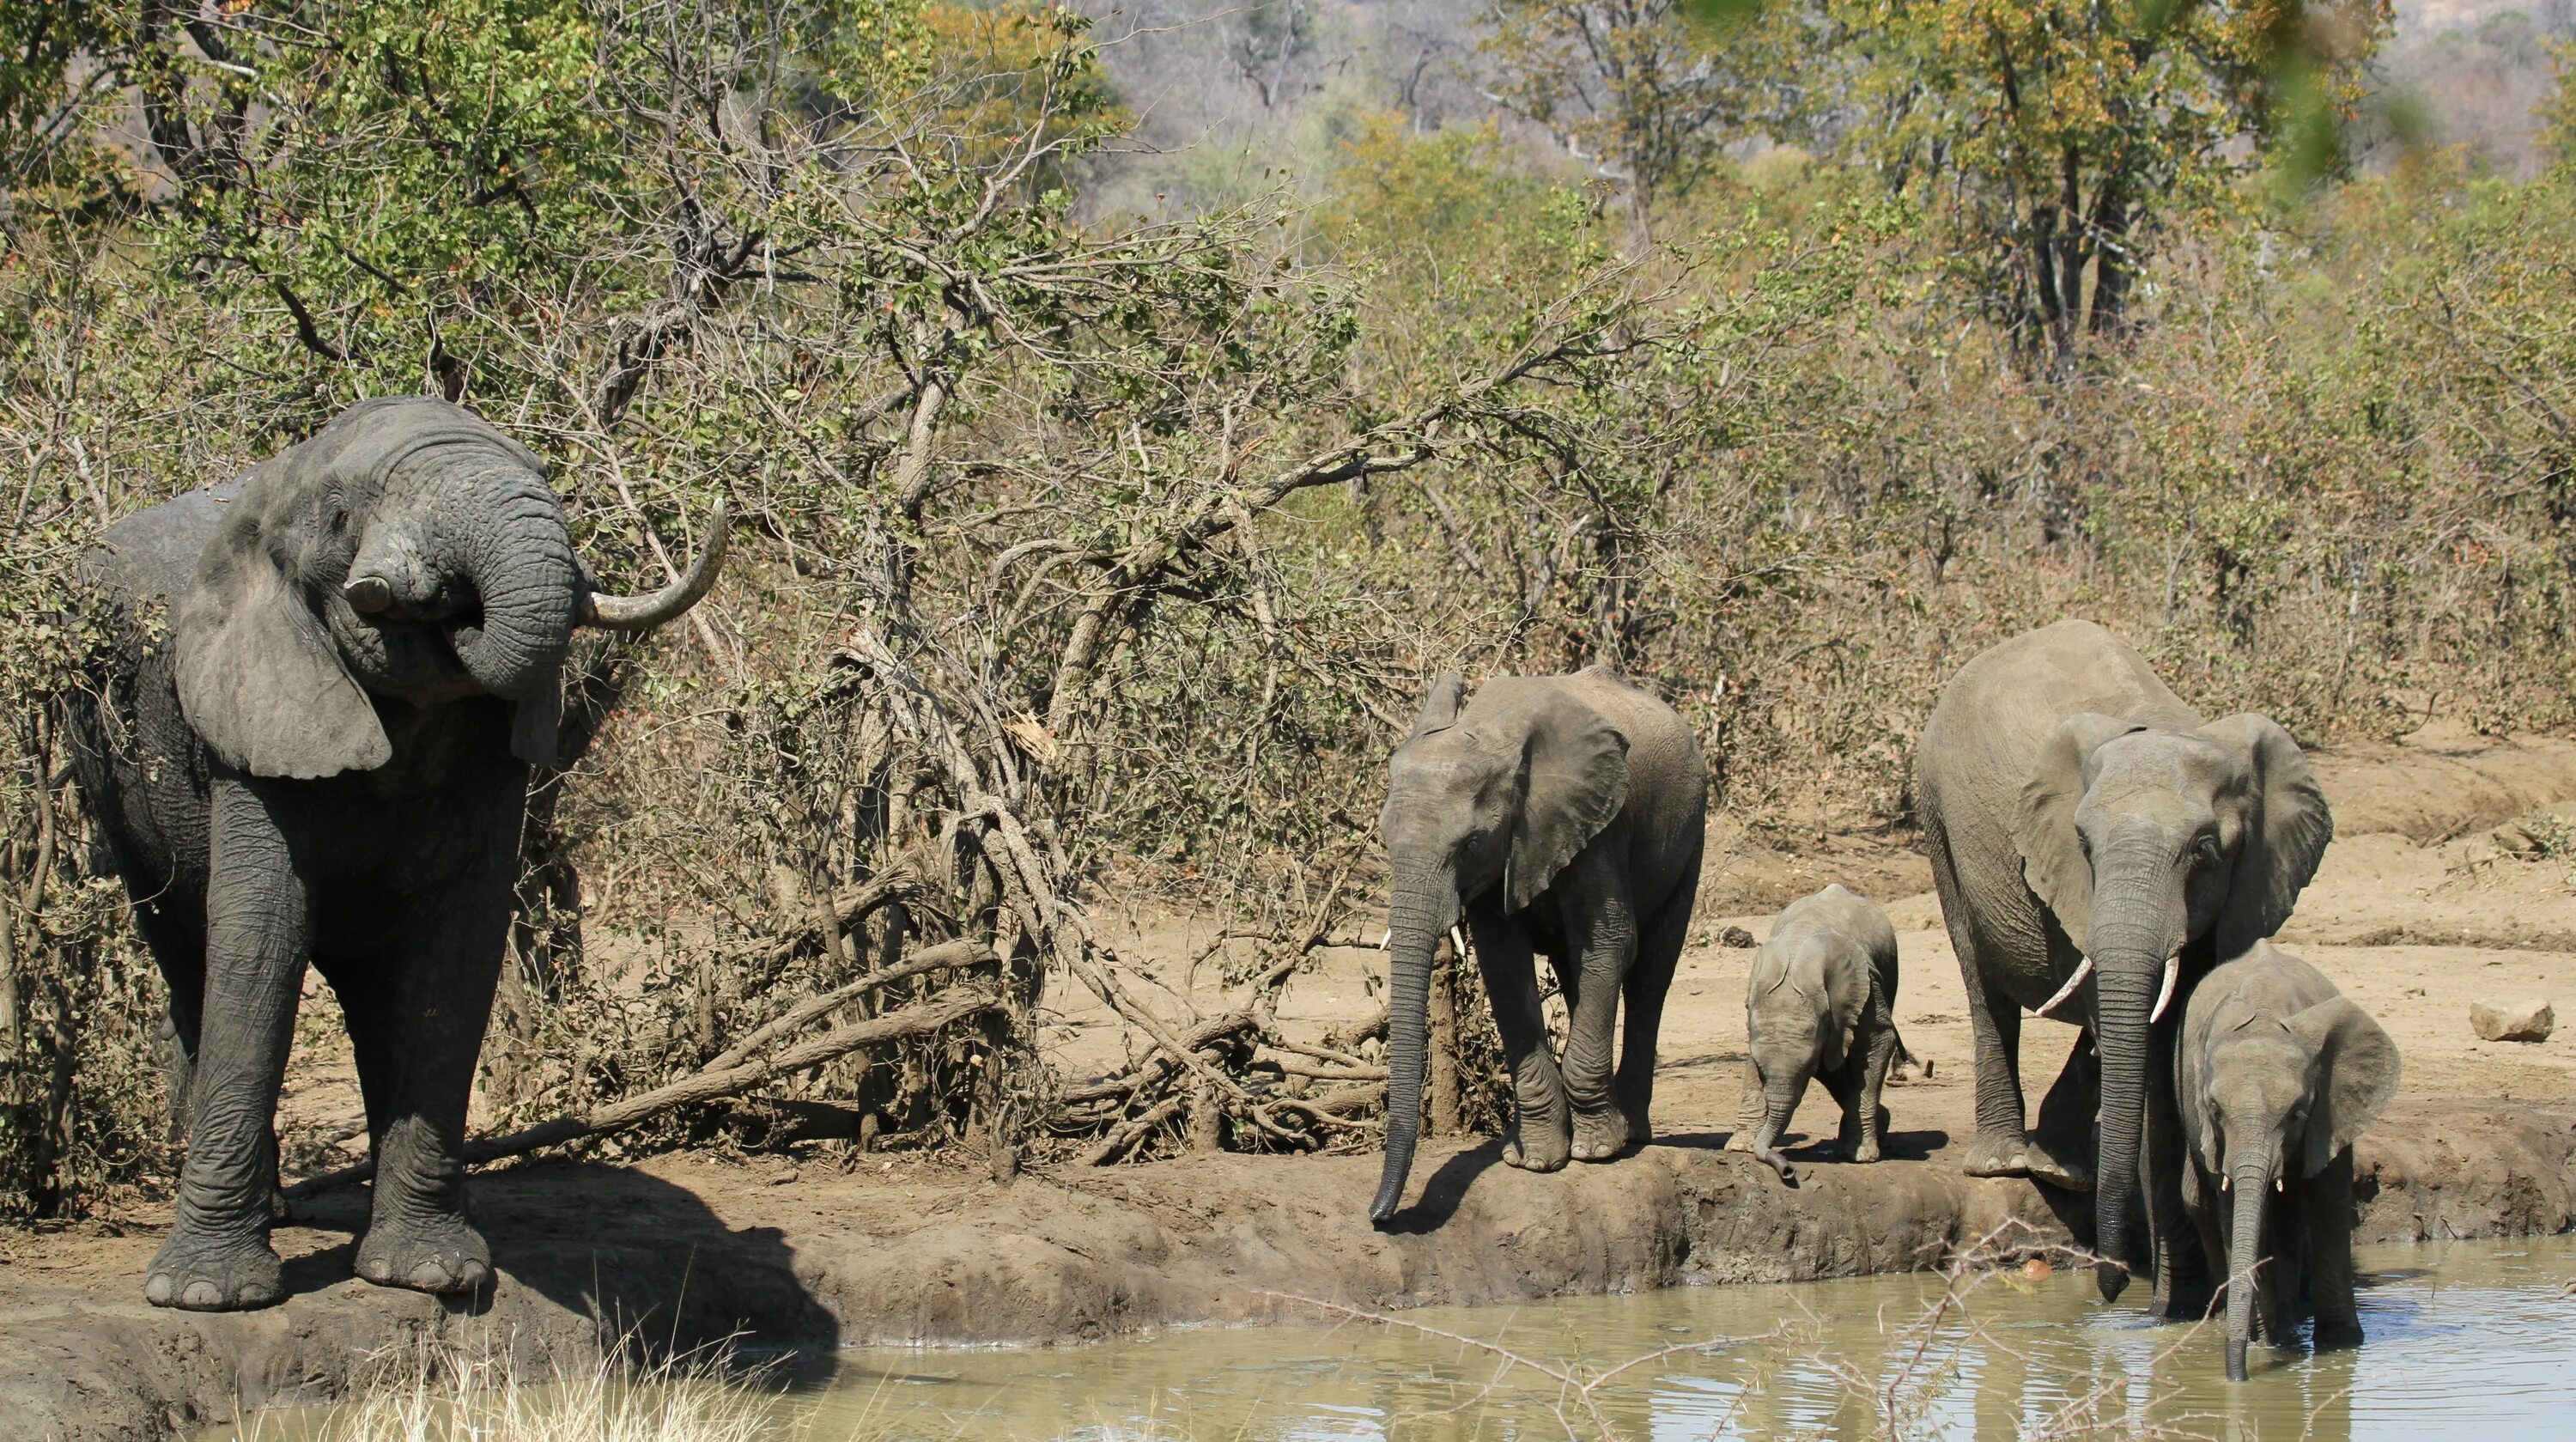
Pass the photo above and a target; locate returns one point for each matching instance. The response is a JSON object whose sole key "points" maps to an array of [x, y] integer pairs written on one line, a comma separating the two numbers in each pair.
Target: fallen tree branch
{"points": [[945, 1009], [946, 956], [896, 883]]}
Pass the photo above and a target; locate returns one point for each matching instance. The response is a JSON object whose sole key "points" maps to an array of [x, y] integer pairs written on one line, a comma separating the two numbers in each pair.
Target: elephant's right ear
{"points": [[1440, 707], [258, 675], [2043, 825], [2357, 1076], [1577, 780]]}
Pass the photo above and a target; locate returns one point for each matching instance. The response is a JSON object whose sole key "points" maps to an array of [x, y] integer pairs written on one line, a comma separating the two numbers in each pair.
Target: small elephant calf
{"points": [[2279, 1072], [1821, 1004]]}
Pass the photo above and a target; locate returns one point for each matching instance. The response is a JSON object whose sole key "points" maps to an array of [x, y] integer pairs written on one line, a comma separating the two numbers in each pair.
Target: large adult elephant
{"points": [[1561, 814], [2098, 846], [320, 751]]}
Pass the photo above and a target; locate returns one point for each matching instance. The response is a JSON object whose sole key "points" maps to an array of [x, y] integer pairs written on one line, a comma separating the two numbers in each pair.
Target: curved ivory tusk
{"points": [[1457, 943], [2164, 995], [642, 613], [2063, 992]]}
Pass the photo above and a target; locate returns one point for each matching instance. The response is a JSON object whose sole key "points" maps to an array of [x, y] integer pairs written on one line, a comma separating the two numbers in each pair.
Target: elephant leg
{"points": [[2066, 1114], [259, 924], [174, 931], [443, 969], [2327, 1199], [1541, 1135], [373, 1040], [2184, 1285], [2000, 1148], [1843, 1085], [1874, 1062], [1592, 1025], [1650, 978]]}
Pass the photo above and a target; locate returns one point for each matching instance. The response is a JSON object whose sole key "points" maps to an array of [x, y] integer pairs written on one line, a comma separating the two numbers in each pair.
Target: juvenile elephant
{"points": [[1561, 814], [2278, 1073], [325, 757], [2098, 846], [1821, 1003]]}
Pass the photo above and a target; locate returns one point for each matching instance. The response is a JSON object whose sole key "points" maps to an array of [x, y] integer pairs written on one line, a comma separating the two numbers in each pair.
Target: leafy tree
{"points": [[1646, 91], [2055, 143]]}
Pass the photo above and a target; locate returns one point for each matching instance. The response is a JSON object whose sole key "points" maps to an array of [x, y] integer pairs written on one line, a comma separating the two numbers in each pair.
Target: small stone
{"points": [[2500, 1020], [1735, 936]]}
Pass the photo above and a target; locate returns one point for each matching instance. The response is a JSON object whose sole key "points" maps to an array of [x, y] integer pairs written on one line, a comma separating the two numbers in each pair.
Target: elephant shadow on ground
{"points": [[1444, 1189], [1818, 1150], [643, 1259]]}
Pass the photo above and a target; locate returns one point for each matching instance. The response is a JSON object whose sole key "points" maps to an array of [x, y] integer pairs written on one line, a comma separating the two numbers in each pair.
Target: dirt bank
{"points": [[2416, 916]]}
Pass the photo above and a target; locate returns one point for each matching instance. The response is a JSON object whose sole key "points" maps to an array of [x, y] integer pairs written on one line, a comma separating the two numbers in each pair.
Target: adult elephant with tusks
{"points": [[2098, 846], [325, 759], [1561, 814]]}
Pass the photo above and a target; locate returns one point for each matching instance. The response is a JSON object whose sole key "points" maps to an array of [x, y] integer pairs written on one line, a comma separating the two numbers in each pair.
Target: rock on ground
{"points": [[2497, 1020]]}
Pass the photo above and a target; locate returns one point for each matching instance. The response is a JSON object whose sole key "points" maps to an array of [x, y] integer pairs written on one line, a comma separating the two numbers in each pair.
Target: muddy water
{"points": [[2471, 1340]]}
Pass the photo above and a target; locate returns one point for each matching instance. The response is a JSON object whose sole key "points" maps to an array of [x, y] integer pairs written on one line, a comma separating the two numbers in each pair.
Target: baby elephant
{"points": [[2279, 1072], [1822, 1004]]}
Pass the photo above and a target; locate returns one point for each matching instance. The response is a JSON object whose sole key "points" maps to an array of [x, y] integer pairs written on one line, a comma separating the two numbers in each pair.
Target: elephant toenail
{"points": [[159, 1290], [201, 1295], [431, 1277]]}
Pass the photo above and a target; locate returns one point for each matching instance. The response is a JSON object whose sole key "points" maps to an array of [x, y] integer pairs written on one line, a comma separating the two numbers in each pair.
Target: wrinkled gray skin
{"points": [[1821, 1003], [2072, 805], [312, 743], [1560, 814], [2278, 1073]]}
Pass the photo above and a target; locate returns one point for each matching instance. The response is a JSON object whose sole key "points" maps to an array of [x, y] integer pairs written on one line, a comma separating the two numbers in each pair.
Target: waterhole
{"points": [[2469, 1340]]}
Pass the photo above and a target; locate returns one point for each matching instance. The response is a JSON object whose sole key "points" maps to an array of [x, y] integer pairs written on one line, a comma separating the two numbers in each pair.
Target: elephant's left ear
{"points": [[1577, 768], [2285, 836], [259, 676], [2357, 1074]]}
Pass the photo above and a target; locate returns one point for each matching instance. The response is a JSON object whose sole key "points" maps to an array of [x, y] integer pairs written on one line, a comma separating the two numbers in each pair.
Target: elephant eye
{"points": [[2204, 853]]}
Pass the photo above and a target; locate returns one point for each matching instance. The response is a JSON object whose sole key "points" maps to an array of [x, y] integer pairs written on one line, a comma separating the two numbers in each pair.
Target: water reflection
{"points": [[2466, 1340]]}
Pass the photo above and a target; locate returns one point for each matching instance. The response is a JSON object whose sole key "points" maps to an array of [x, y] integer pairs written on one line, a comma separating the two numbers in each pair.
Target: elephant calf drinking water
{"points": [[325, 759], [2278, 1072], [1561, 814], [1821, 1003]]}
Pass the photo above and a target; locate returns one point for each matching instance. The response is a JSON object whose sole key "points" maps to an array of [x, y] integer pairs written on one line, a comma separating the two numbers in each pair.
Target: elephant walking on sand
{"points": [[325, 758], [1820, 1003], [1561, 814], [2098, 846], [2278, 1073]]}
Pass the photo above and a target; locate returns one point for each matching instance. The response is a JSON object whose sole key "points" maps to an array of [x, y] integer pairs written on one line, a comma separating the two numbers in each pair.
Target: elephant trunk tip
{"points": [[2236, 1359], [1390, 1199], [2112, 1278]]}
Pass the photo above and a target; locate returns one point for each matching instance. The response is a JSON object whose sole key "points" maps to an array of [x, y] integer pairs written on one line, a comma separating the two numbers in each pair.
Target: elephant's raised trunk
{"points": [[2253, 1184], [2135, 933], [518, 556], [1424, 905]]}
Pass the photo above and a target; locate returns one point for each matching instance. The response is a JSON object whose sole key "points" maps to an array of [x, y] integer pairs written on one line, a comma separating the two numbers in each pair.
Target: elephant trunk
{"points": [[2132, 941], [2244, 1252], [518, 555], [1781, 1089], [1423, 906]]}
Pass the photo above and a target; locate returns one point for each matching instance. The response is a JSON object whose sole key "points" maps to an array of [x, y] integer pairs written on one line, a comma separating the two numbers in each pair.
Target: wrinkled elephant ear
{"points": [[258, 675], [2285, 837], [2358, 1075], [1575, 765], [1440, 706], [2043, 825]]}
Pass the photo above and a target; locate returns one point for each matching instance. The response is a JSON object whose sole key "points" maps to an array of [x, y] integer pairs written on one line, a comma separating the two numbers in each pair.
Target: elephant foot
{"points": [[196, 1274], [1740, 1140], [442, 1255], [2019, 1156], [1865, 1150], [1544, 1150], [1600, 1136], [2331, 1335]]}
